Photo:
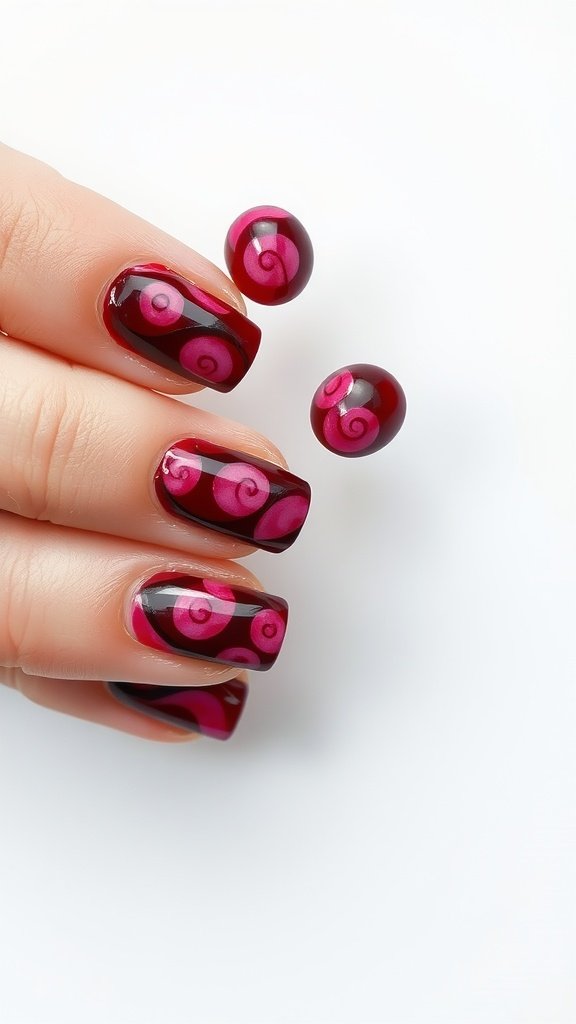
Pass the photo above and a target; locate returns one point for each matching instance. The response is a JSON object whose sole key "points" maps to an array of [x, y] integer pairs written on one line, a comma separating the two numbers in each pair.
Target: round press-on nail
{"points": [[357, 410], [269, 255]]}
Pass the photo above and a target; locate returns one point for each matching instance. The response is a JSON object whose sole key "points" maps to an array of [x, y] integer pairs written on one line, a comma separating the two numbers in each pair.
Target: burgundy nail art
{"points": [[204, 618], [210, 710], [357, 410], [236, 494], [269, 255], [162, 316]]}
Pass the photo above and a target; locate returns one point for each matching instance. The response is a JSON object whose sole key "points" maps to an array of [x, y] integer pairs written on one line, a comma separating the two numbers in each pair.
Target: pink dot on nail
{"points": [[161, 304], [239, 655]]}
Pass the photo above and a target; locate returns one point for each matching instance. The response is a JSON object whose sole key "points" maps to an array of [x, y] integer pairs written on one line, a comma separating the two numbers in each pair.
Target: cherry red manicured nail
{"points": [[210, 710], [160, 315], [204, 618], [236, 494]]}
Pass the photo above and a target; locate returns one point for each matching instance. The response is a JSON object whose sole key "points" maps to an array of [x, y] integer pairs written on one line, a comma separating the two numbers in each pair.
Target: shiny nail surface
{"points": [[204, 618], [209, 710], [269, 254], [165, 318], [236, 494]]}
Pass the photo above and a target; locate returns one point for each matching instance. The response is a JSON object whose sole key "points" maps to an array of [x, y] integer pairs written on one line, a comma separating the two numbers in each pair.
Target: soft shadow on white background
{"points": [[389, 837]]}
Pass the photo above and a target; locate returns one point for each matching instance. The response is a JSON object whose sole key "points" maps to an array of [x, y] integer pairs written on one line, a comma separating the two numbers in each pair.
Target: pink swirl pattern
{"points": [[200, 616], [335, 390], [207, 356], [239, 656], [271, 260], [283, 518], [161, 304], [357, 429], [207, 619], [240, 489], [206, 707], [267, 631], [218, 590], [181, 473]]}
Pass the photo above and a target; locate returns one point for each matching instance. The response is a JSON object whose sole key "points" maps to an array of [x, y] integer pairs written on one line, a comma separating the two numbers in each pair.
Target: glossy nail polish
{"points": [[269, 255], [204, 618], [357, 410], [210, 710], [233, 493], [160, 315]]}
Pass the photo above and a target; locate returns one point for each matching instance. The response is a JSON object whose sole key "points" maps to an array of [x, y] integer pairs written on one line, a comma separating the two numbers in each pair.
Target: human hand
{"points": [[122, 509]]}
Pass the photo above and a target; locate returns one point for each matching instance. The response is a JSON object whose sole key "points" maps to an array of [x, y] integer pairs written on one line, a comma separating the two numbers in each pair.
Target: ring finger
{"points": [[77, 605]]}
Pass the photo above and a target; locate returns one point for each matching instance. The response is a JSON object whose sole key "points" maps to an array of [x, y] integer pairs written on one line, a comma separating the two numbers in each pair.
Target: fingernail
{"points": [[203, 618], [228, 491], [165, 318], [210, 710]]}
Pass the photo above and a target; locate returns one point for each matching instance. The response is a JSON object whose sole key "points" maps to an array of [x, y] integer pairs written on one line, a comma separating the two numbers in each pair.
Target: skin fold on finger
{"points": [[61, 246], [66, 604], [91, 701], [80, 448]]}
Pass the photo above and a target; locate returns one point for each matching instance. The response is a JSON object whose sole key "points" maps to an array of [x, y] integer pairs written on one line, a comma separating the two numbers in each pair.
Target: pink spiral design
{"points": [[219, 590], [242, 655], [206, 708], [200, 616], [181, 473], [267, 631], [271, 260], [240, 489], [357, 429], [286, 516], [334, 390], [207, 357], [161, 304]]}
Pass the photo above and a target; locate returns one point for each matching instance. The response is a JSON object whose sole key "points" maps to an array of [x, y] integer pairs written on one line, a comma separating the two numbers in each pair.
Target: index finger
{"points": [[89, 281]]}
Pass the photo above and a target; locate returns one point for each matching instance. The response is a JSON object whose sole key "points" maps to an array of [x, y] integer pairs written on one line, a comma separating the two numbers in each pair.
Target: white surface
{"points": [[390, 837]]}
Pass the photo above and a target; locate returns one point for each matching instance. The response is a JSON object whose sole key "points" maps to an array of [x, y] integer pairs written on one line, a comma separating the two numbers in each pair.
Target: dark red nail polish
{"points": [[204, 618], [357, 410], [269, 255], [210, 710], [162, 316], [236, 494]]}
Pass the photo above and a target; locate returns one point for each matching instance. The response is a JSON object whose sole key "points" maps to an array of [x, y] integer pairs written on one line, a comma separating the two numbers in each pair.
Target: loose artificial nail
{"points": [[160, 315], [236, 494], [210, 710], [269, 255], [204, 618], [357, 410]]}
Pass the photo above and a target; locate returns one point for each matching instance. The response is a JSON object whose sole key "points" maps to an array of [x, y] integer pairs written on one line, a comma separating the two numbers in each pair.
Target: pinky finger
{"points": [[167, 714]]}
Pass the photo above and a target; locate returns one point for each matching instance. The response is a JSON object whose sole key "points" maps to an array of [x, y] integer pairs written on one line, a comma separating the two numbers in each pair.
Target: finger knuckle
{"points": [[33, 223], [59, 429]]}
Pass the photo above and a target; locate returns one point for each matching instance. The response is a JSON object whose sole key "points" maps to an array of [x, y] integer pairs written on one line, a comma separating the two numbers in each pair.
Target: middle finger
{"points": [[82, 449]]}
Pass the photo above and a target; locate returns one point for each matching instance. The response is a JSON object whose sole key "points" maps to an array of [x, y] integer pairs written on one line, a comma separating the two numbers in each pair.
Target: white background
{"points": [[389, 837]]}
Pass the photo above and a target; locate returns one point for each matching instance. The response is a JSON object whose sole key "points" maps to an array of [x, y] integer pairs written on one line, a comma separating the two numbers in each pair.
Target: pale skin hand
{"points": [[81, 430]]}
